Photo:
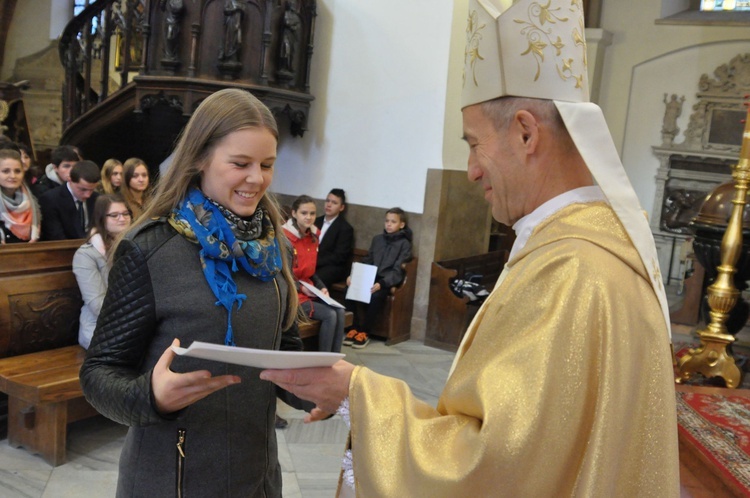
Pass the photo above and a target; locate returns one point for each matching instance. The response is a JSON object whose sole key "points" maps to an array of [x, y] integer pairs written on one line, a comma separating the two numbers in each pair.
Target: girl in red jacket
{"points": [[303, 234]]}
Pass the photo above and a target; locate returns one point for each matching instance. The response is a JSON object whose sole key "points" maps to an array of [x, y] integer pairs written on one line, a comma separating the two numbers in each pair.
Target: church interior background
{"points": [[383, 122]]}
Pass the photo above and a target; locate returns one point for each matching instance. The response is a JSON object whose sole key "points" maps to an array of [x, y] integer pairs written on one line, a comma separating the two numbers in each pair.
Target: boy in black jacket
{"points": [[388, 251]]}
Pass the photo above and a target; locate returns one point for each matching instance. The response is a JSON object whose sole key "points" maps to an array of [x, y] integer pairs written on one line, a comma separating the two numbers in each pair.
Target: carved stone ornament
{"points": [[691, 168], [673, 111], [714, 123]]}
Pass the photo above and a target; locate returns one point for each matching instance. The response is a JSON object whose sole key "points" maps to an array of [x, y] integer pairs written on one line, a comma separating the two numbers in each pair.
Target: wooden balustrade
{"points": [[168, 48]]}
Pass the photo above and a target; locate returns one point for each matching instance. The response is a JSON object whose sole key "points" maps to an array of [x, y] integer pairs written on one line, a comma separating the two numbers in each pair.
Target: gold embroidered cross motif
{"points": [[656, 273], [542, 22], [471, 52]]}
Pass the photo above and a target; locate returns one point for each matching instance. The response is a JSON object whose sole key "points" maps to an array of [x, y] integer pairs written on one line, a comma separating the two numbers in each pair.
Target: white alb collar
{"points": [[526, 225]]}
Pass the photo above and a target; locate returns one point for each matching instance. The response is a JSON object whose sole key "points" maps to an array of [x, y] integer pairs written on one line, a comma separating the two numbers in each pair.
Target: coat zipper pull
{"points": [[181, 442], [181, 434]]}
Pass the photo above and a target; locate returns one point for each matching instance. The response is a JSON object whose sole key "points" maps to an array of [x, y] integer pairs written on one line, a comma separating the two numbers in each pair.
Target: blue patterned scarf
{"points": [[200, 220]]}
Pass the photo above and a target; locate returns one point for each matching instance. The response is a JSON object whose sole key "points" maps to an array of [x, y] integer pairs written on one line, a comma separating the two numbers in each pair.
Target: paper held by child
{"points": [[258, 358], [363, 278], [321, 296]]}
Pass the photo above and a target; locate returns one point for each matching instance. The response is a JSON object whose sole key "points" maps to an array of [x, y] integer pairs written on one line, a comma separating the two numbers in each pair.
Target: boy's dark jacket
{"points": [[388, 251]]}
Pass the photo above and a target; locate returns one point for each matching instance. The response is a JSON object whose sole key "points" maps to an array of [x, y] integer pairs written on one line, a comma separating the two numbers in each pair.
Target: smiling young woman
{"points": [[20, 218], [205, 261]]}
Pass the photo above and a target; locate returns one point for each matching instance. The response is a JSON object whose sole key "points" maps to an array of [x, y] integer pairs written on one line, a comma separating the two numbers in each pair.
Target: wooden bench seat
{"points": [[44, 396], [309, 331], [39, 353], [394, 322]]}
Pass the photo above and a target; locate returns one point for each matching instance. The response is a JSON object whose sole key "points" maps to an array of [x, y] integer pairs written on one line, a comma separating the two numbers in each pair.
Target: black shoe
{"points": [[281, 423]]}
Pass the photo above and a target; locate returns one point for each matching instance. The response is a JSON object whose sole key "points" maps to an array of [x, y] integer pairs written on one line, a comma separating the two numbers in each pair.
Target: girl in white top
{"points": [[91, 260]]}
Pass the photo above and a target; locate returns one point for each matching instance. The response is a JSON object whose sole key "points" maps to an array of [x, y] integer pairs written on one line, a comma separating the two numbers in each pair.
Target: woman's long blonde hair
{"points": [[107, 169], [219, 115]]}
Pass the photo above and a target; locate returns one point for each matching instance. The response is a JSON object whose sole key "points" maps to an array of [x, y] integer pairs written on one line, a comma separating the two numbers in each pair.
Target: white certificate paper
{"points": [[323, 297], [259, 358], [363, 278]]}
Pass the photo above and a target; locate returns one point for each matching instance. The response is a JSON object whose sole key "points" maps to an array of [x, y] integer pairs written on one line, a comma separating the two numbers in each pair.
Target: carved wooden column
{"points": [[195, 30]]}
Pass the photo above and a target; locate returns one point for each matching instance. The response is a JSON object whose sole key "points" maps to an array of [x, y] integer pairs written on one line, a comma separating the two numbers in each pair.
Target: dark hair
{"points": [[400, 213], [31, 174], [303, 199], [8, 144], [22, 147], [99, 221], [64, 153], [339, 192], [85, 170]]}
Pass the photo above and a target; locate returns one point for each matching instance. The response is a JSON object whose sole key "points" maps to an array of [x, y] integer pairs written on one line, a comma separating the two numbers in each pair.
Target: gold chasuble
{"points": [[565, 387]]}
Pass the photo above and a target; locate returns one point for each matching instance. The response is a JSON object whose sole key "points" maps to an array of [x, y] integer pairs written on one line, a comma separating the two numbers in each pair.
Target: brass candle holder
{"points": [[711, 358]]}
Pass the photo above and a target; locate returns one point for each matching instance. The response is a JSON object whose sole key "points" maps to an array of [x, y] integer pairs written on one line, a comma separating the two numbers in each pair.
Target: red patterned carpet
{"points": [[716, 423]]}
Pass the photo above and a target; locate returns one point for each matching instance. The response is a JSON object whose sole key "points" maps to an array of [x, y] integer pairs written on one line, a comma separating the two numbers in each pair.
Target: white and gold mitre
{"points": [[537, 49], [522, 48]]}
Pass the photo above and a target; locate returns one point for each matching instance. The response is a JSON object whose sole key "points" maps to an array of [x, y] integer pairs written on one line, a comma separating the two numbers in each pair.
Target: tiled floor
{"points": [[310, 455]]}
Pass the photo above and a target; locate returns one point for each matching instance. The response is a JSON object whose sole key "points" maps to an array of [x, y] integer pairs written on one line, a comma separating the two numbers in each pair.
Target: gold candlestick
{"points": [[711, 358]]}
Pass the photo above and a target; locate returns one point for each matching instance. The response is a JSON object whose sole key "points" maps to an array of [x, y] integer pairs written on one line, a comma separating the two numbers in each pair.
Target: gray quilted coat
{"points": [[221, 446]]}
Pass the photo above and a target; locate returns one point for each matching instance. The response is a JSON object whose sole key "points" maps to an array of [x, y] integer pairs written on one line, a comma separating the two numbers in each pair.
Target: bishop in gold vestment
{"points": [[563, 384], [564, 390]]}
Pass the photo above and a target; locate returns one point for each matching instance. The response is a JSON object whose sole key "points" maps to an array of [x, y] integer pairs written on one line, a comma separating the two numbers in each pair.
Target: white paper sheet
{"points": [[323, 297], [363, 278], [259, 358]]}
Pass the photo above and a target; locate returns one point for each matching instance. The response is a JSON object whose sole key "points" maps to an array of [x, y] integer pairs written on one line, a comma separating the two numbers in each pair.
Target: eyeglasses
{"points": [[116, 216]]}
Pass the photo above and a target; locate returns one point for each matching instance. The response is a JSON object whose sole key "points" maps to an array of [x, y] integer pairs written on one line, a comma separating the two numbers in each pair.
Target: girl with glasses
{"points": [[91, 260]]}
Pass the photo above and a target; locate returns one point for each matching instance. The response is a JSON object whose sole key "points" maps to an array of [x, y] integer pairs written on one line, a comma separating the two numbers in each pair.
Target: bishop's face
{"points": [[495, 164]]}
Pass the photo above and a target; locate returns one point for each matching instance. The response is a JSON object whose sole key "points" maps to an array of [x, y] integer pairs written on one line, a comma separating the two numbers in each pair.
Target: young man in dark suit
{"points": [[336, 240], [67, 211], [57, 173]]}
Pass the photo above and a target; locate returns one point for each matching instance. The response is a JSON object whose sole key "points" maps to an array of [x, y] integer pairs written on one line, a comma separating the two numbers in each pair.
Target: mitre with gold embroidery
{"points": [[525, 49], [537, 49]]}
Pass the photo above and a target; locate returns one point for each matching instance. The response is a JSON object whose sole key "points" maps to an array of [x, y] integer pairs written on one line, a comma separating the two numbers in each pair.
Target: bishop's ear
{"points": [[527, 128]]}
